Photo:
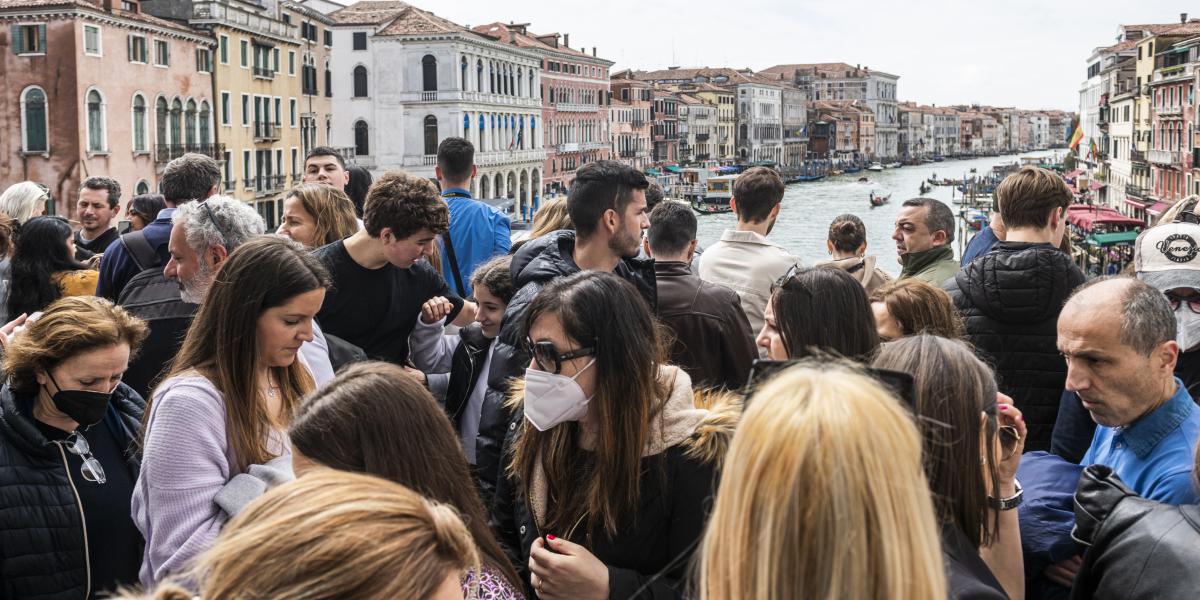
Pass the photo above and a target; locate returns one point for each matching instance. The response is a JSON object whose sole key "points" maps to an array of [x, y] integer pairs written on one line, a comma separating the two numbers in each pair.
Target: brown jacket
{"points": [[712, 341]]}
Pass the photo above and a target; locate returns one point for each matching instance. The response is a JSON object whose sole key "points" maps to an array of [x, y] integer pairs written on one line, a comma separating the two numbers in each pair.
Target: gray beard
{"points": [[193, 291]]}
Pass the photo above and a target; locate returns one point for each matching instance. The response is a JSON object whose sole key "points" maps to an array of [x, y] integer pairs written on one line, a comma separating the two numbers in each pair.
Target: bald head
{"points": [[1145, 317]]}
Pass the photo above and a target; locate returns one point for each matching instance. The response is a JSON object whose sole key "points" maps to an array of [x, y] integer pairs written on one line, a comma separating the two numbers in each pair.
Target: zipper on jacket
{"points": [[87, 558]]}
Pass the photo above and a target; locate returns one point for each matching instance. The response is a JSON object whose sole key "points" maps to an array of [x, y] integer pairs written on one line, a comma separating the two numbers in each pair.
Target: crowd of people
{"points": [[393, 395]]}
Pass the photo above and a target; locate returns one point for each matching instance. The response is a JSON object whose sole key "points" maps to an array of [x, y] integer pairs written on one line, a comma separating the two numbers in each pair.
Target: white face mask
{"points": [[551, 399], [1188, 328]]}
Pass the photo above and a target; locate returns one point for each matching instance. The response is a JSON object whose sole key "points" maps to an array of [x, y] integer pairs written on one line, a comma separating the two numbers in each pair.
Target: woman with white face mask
{"points": [[611, 465]]}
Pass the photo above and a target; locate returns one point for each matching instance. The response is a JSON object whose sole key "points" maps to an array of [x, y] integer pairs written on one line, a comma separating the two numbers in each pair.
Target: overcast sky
{"points": [[1005, 53]]}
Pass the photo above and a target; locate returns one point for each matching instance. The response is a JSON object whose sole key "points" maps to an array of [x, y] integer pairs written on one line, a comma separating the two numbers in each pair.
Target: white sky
{"points": [[1029, 54]]}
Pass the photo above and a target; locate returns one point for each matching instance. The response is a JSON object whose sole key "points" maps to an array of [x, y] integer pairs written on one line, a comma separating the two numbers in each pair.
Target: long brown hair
{"points": [[331, 210], [222, 342], [606, 312], [951, 388], [376, 419], [919, 307]]}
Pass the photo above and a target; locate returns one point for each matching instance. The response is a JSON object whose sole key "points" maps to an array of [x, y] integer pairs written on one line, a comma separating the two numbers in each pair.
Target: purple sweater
{"points": [[186, 460]]}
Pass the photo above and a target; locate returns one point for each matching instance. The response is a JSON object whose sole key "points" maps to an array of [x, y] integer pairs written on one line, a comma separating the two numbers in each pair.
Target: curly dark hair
{"points": [[405, 204], [496, 276]]}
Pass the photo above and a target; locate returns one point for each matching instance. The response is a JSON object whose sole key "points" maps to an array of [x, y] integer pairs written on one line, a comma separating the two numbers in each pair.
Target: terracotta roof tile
{"points": [[12, 5], [413, 20], [500, 32], [369, 12]]}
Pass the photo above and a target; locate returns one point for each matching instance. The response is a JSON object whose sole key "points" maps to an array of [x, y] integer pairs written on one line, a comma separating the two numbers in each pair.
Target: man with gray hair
{"points": [[923, 235], [1118, 337], [189, 177]]}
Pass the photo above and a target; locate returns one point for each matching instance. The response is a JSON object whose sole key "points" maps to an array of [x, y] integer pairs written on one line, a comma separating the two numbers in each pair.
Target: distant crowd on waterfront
{"points": [[392, 396]]}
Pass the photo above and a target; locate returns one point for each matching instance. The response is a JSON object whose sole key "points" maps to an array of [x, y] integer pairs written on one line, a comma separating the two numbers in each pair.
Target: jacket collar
{"points": [[671, 269], [915, 262], [1145, 433], [123, 419], [746, 237]]}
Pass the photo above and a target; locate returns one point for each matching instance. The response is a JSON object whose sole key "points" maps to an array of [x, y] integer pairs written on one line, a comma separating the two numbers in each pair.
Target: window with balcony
{"points": [[205, 124], [361, 142], [139, 123], [160, 121], [34, 122], [189, 124], [176, 121], [95, 122], [431, 135], [429, 73]]}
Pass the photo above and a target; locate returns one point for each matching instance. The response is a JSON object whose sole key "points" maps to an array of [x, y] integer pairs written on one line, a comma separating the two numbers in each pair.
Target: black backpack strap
{"points": [[458, 281], [140, 250]]}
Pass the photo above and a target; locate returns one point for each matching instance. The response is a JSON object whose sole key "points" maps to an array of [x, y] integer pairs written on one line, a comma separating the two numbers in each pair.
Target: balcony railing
{"points": [[1137, 156], [280, 181], [249, 183], [592, 146], [229, 13], [1134, 191], [568, 147], [265, 132], [229, 185], [483, 159], [168, 153], [460, 96], [628, 153], [1169, 111], [572, 107], [264, 73], [1166, 157], [637, 122], [701, 137]]}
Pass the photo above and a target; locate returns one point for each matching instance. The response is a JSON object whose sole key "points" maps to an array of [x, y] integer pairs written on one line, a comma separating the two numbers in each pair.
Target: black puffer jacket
{"points": [[1137, 548], [42, 548], [1010, 300], [533, 266]]}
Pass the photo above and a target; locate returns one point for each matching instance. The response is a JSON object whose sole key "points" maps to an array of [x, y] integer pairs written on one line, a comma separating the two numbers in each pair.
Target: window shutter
{"points": [[41, 29], [129, 47], [18, 39], [166, 53]]}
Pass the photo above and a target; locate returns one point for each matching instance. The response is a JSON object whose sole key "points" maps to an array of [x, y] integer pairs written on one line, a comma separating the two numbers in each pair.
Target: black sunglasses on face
{"points": [[545, 354], [1176, 300]]}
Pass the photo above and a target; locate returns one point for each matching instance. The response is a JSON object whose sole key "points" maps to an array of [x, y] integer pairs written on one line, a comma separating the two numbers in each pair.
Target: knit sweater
{"points": [[186, 460]]}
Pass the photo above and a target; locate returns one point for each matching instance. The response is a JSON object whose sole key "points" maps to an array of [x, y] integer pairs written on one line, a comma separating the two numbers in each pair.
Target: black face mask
{"points": [[83, 406]]}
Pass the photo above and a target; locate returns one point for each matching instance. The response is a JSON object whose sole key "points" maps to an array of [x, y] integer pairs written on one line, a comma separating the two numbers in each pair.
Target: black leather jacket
{"points": [[1010, 300], [533, 266], [43, 553], [1137, 548]]}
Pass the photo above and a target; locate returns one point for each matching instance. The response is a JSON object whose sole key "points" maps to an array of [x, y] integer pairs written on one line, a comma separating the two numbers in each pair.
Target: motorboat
{"points": [[875, 167]]}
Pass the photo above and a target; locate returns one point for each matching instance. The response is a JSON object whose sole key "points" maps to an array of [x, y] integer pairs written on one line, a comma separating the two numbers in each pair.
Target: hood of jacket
{"points": [[1019, 282], [123, 418]]}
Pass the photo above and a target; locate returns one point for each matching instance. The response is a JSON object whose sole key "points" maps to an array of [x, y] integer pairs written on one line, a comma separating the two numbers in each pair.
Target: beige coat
{"points": [[863, 269], [748, 264]]}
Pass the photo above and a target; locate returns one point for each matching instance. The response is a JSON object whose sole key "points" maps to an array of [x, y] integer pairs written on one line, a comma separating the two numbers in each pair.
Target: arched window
{"points": [[431, 135], [33, 121], [141, 188], [205, 123], [360, 82], [189, 124], [361, 144], [139, 123], [176, 124], [429, 73], [95, 121], [479, 76], [464, 74], [492, 77], [160, 122], [467, 126]]}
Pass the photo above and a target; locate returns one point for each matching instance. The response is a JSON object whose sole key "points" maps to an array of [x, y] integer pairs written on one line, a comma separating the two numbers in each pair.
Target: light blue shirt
{"points": [[478, 232], [1155, 454]]}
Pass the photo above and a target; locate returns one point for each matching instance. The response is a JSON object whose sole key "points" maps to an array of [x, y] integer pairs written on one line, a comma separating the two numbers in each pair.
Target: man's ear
{"points": [[217, 255], [646, 247]]}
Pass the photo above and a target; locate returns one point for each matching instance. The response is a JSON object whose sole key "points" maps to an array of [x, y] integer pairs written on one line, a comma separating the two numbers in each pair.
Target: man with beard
{"points": [[607, 205], [745, 260], [924, 234]]}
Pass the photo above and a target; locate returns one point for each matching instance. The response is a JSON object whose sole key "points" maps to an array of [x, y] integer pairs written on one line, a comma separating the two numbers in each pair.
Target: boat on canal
{"points": [[717, 193], [875, 167], [879, 199]]}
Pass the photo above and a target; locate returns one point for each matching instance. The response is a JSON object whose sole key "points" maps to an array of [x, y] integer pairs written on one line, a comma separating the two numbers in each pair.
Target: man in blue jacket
{"points": [[477, 231]]}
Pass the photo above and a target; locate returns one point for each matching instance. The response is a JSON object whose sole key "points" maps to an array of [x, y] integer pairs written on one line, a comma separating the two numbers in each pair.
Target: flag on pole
{"points": [[1076, 137]]}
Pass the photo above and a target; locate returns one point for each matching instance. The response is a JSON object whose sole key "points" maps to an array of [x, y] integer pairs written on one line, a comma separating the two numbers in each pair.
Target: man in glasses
{"points": [[1168, 258]]}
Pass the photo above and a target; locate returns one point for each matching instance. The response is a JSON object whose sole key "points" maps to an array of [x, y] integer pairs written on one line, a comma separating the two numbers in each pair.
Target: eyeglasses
{"points": [[545, 354], [216, 223], [791, 272], [1176, 300], [1010, 438], [91, 469]]}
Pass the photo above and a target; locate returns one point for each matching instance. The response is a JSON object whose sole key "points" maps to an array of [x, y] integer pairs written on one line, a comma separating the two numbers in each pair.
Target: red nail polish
{"points": [[1003, 407], [550, 537]]}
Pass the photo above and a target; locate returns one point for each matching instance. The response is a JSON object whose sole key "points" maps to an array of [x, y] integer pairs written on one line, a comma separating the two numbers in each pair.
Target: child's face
{"points": [[489, 311]]}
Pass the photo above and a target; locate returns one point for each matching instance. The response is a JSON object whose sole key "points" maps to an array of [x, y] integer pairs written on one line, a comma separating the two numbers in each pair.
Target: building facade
{"points": [[575, 92], [1172, 107], [312, 65], [840, 81], [97, 89], [760, 121], [795, 126], [629, 120], [404, 79], [664, 127], [697, 129]]}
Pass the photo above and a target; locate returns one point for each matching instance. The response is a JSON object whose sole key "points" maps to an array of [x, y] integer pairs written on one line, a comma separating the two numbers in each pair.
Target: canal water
{"points": [[809, 208]]}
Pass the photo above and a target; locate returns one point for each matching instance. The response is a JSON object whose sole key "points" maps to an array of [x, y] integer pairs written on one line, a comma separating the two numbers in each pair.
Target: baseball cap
{"points": [[1168, 256]]}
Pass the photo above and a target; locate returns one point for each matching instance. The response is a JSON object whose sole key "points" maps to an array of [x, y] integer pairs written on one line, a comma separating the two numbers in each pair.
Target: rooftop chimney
{"points": [[512, 37], [1183, 17], [593, 51], [566, 40]]}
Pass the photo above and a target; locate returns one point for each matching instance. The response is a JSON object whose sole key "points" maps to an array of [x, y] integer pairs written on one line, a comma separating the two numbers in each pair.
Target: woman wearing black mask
{"points": [[67, 432]]}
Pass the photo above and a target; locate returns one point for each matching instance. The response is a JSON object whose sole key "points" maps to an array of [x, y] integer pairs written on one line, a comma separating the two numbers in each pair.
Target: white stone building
{"points": [[404, 79], [840, 81]]}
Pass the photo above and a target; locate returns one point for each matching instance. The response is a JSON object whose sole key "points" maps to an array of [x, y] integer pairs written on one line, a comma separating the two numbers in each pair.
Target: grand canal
{"points": [[808, 208]]}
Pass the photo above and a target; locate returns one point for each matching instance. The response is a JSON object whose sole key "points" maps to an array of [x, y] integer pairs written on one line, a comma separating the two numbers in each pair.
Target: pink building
{"points": [[575, 92], [98, 88], [632, 101], [1172, 122]]}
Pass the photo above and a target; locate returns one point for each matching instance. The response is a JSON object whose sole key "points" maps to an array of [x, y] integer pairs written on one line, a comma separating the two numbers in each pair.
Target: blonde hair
{"points": [[823, 496], [334, 535], [552, 216], [68, 327], [23, 201], [331, 210]]}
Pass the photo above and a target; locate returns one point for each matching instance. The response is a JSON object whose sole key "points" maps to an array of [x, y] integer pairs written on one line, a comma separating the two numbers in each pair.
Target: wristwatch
{"points": [[1010, 502]]}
